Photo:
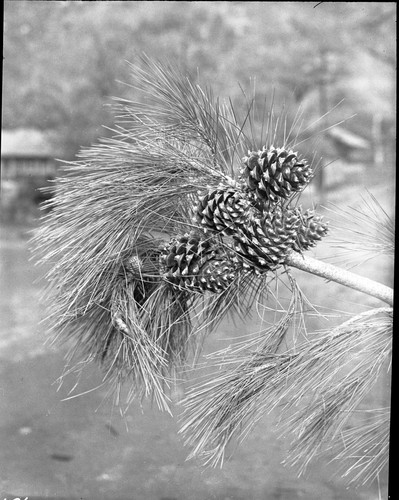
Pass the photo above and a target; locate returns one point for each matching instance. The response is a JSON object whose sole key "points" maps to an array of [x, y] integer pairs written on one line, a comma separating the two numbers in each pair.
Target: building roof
{"points": [[26, 142], [344, 136]]}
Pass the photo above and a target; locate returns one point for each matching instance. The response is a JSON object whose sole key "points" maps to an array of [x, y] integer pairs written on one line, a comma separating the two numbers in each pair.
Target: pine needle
{"points": [[364, 232], [329, 378], [228, 405], [123, 199]]}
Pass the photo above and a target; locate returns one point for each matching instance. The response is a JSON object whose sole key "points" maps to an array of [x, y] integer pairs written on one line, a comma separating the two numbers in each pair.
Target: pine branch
{"points": [[155, 235], [341, 276]]}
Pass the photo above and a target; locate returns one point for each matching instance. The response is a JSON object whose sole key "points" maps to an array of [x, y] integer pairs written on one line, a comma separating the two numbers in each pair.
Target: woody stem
{"points": [[341, 276]]}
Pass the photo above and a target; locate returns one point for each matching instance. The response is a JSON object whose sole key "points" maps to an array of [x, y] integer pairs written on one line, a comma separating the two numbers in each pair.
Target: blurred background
{"points": [[63, 61]]}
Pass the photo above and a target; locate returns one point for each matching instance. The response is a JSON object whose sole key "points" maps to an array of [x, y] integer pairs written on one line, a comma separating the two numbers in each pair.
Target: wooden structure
{"points": [[348, 145], [26, 154], [27, 164]]}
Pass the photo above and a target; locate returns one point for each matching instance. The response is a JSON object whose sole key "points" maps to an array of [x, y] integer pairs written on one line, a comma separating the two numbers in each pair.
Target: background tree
{"points": [[63, 60]]}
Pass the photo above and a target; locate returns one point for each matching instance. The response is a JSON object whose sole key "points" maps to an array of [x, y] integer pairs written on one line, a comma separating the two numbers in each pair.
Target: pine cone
{"points": [[195, 264], [275, 173], [311, 231], [223, 210], [142, 271], [264, 243]]}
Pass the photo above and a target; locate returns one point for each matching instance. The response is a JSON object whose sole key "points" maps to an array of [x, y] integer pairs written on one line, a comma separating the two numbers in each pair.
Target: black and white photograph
{"points": [[197, 241]]}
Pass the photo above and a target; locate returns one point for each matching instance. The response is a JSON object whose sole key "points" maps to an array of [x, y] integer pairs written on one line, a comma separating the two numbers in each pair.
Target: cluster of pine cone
{"points": [[245, 225]]}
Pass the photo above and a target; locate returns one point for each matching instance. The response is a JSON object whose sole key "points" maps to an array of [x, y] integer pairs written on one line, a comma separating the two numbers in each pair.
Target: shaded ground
{"points": [[81, 448]]}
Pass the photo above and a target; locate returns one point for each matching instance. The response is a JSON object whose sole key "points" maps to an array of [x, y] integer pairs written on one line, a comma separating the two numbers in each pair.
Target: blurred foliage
{"points": [[64, 60]]}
